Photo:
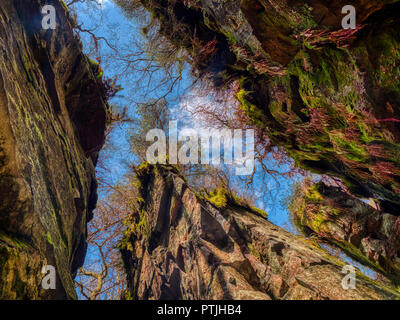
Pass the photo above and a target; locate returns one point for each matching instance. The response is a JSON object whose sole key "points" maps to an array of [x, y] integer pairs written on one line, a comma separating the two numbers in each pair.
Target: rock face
{"points": [[368, 235], [53, 118], [181, 246]]}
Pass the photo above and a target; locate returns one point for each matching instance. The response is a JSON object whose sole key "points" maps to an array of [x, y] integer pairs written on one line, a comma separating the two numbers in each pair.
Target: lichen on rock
{"points": [[363, 232], [188, 248], [53, 118]]}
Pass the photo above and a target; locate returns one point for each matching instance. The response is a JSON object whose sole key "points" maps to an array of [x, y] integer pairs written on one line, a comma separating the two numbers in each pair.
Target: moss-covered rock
{"points": [[363, 232], [53, 119], [210, 246]]}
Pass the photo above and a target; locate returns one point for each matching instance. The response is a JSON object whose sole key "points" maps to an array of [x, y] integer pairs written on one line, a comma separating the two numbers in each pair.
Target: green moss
{"points": [[352, 150], [64, 5], [326, 71], [311, 211], [388, 73], [97, 70], [128, 295], [218, 198], [317, 222], [308, 21], [38, 131], [260, 212], [221, 198], [48, 238], [141, 226], [231, 38], [356, 254], [143, 166], [310, 219], [366, 137], [13, 241], [255, 253], [254, 113], [122, 244], [313, 194], [27, 66]]}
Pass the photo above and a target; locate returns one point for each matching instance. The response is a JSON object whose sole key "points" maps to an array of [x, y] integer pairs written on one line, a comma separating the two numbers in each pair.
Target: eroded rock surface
{"points": [[183, 247], [365, 233], [53, 118]]}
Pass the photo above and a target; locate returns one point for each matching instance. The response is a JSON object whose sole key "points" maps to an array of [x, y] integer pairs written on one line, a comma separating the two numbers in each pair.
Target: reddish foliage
{"points": [[203, 52], [377, 151], [389, 120], [342, 37], [319, 119], [384, 171]]}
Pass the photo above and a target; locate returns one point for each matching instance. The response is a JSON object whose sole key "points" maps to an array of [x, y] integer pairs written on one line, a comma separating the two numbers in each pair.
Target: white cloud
{"points": [[104, 2]]}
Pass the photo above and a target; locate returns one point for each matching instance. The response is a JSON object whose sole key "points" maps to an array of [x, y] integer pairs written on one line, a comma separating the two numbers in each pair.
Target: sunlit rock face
{"points": [[53, 119], [181, 246]]}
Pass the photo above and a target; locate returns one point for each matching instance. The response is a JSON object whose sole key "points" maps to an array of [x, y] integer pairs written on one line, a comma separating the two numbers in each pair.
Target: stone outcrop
{"points": [[182, 246], [363, 232], [53, 116]]}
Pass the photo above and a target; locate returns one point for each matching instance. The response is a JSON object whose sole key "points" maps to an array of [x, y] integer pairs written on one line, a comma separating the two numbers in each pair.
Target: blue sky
{"points": [[124, 33]]}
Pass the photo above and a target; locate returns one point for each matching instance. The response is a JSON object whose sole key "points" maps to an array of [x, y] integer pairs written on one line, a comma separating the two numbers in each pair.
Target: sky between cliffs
{"points": [[110, 23]]}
